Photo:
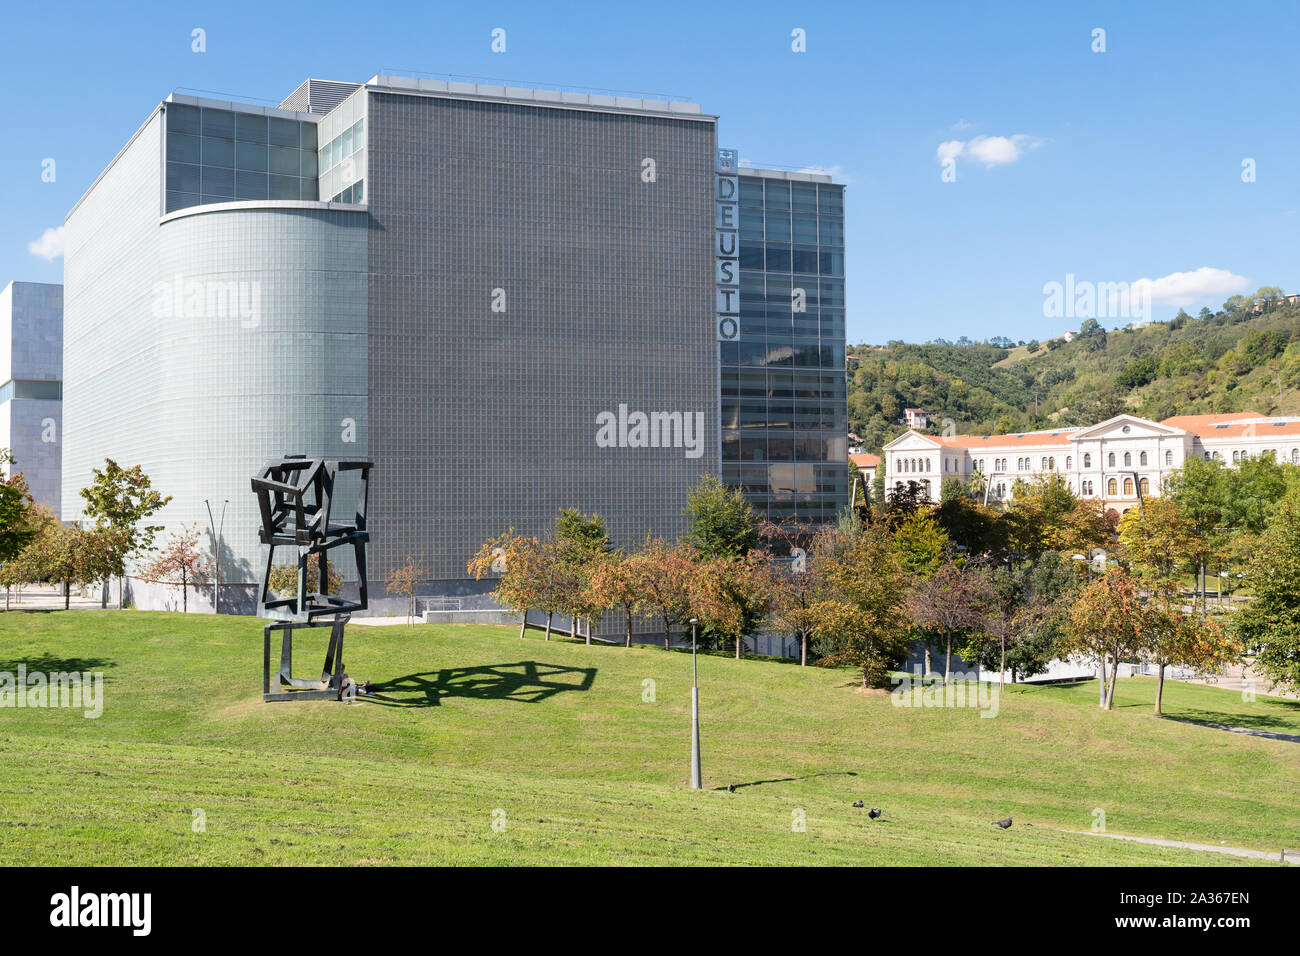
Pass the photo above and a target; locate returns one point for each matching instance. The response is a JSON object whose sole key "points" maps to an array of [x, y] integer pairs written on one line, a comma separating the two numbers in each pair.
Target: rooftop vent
{"points": [[318, 96]]}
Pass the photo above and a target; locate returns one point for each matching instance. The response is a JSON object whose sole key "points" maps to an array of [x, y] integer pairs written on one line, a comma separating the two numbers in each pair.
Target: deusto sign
{"points": [[726, 245]]}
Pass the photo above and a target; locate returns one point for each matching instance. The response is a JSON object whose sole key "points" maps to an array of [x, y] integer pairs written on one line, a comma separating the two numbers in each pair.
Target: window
{"points": [[1144, 487], [1128, 459], [1295, 456], [1087, 459], [1169, 457], [1142, 458], [1051, 463], [1234, 457], [1069, 462], [1110, 487], [1110, 460], [1128, 487]]}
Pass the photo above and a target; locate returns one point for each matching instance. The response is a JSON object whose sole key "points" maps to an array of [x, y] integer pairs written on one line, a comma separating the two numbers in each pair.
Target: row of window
{"points": [[782, 226], [783, 257], [355, 193], [823, 198], [344, 145]]}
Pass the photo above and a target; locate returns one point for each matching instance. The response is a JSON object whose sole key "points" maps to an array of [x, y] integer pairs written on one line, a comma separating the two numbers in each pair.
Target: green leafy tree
{"points": [[721, 522], [1271, 622], [18, 525], [122, 498]]}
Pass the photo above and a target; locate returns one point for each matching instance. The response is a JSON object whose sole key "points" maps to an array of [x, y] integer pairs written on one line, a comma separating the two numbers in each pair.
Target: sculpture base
{"points": [[282, 685]]}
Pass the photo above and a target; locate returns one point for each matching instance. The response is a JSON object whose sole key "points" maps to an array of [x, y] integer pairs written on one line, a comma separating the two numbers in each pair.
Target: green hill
{"points": [[1244, 357], [558, 742]]}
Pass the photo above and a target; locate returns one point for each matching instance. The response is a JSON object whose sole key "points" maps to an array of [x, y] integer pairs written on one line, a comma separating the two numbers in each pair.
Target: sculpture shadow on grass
{"points": [[527, 682], [807, 776]]}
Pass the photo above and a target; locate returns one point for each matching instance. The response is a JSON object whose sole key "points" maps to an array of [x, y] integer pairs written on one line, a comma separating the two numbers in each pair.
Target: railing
{"points": [[438, 604]]}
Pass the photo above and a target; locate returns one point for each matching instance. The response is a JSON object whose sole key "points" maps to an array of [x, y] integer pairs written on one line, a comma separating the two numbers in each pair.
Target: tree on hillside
{"points": [[861, 622], [121, 498], [1106, 623], [179, 564], [525, 569], [581, 542], [722, 523], [727, 593], [954, 601], [614, 586], [405, 579], [1271, 622], [662, 573], [18, 524], [793, 586]]}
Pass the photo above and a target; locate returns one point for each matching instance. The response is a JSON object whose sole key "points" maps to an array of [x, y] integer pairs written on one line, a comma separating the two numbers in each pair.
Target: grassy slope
{"points": [[586, 771]]}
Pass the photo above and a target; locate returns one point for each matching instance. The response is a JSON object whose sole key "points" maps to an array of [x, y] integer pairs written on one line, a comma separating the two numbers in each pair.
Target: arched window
{"points": [[1128, 459], [1142, 458], [925, 487], [1169, 457], [1110, 487], [1234, 457], [1128, 487], [1144, 487], [927, 464], [1216, 456], [1051, 463], [945, 464], [1295, 456], [1087, 460], [1110, 459], [1069, 463]]}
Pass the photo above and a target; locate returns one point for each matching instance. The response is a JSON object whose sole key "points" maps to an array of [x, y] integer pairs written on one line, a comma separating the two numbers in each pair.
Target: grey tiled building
{"points": [[31, 374], [487, 291]]}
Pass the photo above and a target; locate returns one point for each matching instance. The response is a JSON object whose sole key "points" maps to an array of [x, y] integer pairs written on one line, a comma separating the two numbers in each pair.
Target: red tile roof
{"points": [[1193, 423], [865, 461]]}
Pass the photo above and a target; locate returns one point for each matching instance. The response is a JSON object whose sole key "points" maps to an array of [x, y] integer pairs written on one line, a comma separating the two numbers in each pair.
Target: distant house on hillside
{"points": [[916, 418], [1071, 335], [867, 466]]}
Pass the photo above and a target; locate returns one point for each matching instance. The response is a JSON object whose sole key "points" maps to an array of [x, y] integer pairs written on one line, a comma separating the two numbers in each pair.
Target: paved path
{"points": [[1270, 734], [1238, 677], [42, 597], [1277, 856]]}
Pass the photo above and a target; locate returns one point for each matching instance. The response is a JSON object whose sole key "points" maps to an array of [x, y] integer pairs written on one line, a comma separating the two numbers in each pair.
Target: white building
{"points": [[1114, 461]]}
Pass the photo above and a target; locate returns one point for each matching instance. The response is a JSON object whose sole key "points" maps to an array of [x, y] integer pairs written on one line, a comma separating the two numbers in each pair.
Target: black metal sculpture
{"points": [[295, 495]]}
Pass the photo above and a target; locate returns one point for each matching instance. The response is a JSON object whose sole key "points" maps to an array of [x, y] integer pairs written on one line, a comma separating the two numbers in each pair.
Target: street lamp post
{"points": [[216, 552], [696, 777]]}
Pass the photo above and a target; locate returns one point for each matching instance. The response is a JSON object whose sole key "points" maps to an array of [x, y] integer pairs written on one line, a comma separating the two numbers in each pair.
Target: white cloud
{"points": [[989, 150], [49, 246], [1189, 288]]}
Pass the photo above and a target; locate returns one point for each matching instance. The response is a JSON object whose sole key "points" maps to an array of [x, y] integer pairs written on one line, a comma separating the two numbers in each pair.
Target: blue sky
{"points": [[1109, 166]]}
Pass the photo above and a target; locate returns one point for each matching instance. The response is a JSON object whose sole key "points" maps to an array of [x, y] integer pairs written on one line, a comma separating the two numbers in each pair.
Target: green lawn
{"points": [[557, 737]]}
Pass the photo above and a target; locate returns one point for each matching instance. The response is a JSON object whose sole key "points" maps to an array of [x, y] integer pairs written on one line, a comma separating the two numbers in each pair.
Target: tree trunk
{"points": [[1002, 665], [549, 615], [103, 594], [739, 639], [1101, 683], [523, 624], [67, 595], [1110, 691], [667, 639], [803, 648], [928, 668], [185, 595], [1160, 686], [588, 632], [947, 659], [628, 616]]}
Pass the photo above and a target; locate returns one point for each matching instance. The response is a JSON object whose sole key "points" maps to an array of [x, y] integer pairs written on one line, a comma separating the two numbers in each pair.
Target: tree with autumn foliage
{"points": [[726, 593], [179, 564], [580, 544], [662, 573], [793, 586], [1157, 538], [526, 570], [405, 579], [954, 601], [1106, 623], [613, 586], [1175, 637], [861, 621]]}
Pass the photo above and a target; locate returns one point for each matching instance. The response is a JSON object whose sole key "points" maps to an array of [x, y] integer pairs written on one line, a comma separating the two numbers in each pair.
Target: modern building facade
{"points": [[784, 393], [506, 298], [1116, 461], [31, 381]]}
